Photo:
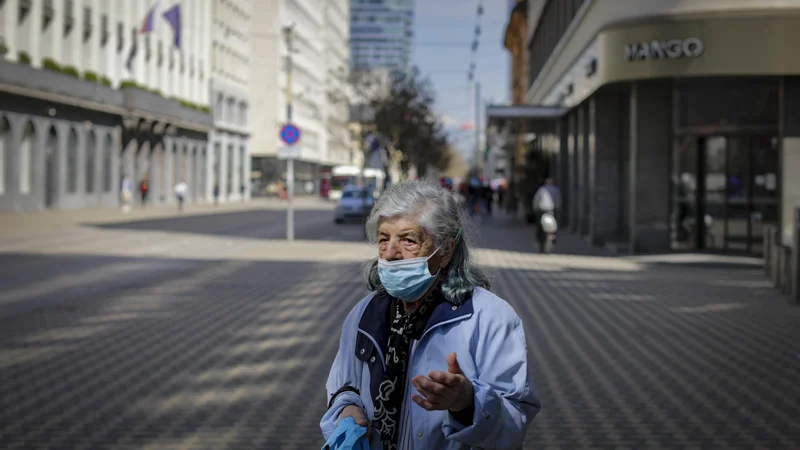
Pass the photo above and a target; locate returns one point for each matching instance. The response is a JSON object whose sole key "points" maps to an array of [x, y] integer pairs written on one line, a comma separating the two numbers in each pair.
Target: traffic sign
{"points": [[289, 153], [290, 134]]}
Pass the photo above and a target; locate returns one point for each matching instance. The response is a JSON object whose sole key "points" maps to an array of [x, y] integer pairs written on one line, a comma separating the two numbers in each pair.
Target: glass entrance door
{"points": [[724, 192]]}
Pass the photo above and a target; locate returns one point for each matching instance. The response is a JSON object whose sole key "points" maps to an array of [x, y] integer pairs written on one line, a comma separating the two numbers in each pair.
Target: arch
{"points": [[91, 154], [108, 157], [26, 157], [72, 162], [185, 163], [5, 151], [176, 165], [50, 166]]}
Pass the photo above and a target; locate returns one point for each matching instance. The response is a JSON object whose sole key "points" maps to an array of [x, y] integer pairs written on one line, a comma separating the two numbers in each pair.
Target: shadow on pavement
{"points": [[221, 354], [130, 352], [310, 224]]}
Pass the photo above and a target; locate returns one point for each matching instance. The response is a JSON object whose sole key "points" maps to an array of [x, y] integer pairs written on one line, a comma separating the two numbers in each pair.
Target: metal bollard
{"points": [[794, 277], [775, 257], [767, 249]]}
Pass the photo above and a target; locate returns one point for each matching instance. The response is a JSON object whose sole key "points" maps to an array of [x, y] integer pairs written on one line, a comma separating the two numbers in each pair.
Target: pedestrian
{"points": [[488, 197], [180, 192], [241, 193], [126, 194], [547, 200], [501, 191], [431, 355], [144, 189], [216, 194]]}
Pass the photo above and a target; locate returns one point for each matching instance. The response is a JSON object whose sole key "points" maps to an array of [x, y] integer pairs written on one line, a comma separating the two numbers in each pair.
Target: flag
{"points": [[173, 16], [149, 20]]}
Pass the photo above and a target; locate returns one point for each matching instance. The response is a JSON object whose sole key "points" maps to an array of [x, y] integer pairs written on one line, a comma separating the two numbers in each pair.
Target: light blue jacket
{"points": [[487, 336]]}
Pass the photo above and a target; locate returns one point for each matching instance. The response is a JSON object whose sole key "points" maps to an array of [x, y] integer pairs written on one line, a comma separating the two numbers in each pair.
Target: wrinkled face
{"points": [[403, 238]]}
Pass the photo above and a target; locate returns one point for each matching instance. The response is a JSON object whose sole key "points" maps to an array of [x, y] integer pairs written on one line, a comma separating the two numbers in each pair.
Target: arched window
{"points": [[25, 158], [91, 153], [108, 148], [5, 134], [72, 163]]}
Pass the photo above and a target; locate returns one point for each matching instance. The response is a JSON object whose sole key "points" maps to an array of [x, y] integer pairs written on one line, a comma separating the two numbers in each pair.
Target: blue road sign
{"points": [[290, 134]]}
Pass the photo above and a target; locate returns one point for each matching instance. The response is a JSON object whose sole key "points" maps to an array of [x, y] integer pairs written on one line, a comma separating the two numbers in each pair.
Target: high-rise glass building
{"points": [[381, 34]]}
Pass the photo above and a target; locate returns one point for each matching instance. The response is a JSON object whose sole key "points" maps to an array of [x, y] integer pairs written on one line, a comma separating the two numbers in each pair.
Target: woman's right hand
{"points": [[358, 415]]}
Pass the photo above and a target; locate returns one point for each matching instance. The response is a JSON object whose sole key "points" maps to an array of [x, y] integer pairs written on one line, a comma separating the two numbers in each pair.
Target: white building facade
{"points": [[320, 48], [92, 91], [230, 91]]}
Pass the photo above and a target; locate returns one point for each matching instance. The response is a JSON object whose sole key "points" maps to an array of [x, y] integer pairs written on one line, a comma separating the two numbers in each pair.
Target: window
{"points": [[25, 155], [91, 151], [243, 114], [69, 18], [107, 149], [72, 163], [120, 36], [218, 108], [87, 23], [104, 30]]}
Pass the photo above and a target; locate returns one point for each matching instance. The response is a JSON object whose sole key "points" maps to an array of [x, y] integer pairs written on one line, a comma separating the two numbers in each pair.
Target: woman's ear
{"points": [[447, 253]]}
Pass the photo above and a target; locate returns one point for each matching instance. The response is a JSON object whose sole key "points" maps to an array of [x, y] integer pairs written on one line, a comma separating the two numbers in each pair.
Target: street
{"points": [[209, 331]]}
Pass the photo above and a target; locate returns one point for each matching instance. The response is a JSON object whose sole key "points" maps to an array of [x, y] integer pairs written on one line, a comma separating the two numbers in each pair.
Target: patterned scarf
{"points": [[388, 403]]}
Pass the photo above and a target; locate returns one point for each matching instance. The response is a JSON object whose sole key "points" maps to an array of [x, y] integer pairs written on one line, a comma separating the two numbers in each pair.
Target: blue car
{"points": [[355, 203]]}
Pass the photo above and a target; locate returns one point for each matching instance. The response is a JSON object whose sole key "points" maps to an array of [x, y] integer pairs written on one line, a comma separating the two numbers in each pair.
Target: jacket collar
{"points": [[376, 317]]}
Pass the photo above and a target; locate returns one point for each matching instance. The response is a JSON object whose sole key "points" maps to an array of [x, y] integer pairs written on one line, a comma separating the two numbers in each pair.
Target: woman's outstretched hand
{"points": [[442, 391]]}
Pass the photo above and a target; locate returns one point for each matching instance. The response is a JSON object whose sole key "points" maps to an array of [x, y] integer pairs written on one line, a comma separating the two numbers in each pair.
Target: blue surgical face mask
{"points": [[406, 279]]}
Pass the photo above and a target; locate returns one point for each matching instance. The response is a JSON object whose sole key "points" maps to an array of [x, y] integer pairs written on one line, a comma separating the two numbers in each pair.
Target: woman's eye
{"points": [[408, 241]]}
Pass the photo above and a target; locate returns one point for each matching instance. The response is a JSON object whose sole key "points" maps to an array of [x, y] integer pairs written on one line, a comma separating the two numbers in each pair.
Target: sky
{"points": [[444, 30]]}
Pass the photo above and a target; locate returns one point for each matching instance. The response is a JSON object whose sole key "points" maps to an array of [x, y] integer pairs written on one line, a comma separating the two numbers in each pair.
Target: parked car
{"points": [[353, 204]]}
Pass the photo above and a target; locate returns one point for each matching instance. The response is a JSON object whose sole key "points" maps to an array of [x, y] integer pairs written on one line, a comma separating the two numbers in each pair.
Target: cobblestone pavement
{"points": [[110, 342]]}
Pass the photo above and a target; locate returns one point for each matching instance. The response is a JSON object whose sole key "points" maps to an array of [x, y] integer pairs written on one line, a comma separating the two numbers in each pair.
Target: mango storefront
{"points": [[682, 133]]}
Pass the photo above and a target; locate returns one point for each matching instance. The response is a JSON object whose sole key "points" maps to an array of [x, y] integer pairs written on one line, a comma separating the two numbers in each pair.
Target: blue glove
{"points": [[348, 436]]}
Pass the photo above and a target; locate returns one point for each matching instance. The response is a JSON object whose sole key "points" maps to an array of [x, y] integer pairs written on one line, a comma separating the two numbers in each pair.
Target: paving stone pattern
{"points": [[177, 354]]}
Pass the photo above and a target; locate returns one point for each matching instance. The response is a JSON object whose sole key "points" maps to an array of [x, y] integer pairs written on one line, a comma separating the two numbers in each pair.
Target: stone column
{"points": [[246, 164], [34, 39], [169, 168], [236, 172], [650, 149], [573, 167], [223, 167], [562, 177], [606, 124], [11, 8]]}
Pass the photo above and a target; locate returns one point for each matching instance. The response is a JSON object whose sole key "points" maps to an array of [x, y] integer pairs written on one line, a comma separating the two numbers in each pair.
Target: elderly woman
{"points": [[431, 359]]}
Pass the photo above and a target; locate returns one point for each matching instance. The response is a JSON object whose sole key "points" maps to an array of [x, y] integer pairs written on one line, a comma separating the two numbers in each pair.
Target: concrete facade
{"points": [[320, 56], [228, 166], [656, 143], [71, 130]]}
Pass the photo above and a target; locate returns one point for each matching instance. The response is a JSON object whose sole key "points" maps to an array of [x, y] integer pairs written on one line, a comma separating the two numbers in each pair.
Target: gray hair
{"points": [[439, 213]]}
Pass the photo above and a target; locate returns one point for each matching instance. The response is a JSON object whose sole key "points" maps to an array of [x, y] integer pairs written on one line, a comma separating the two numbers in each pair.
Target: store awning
{"points": [[503, 116]]}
